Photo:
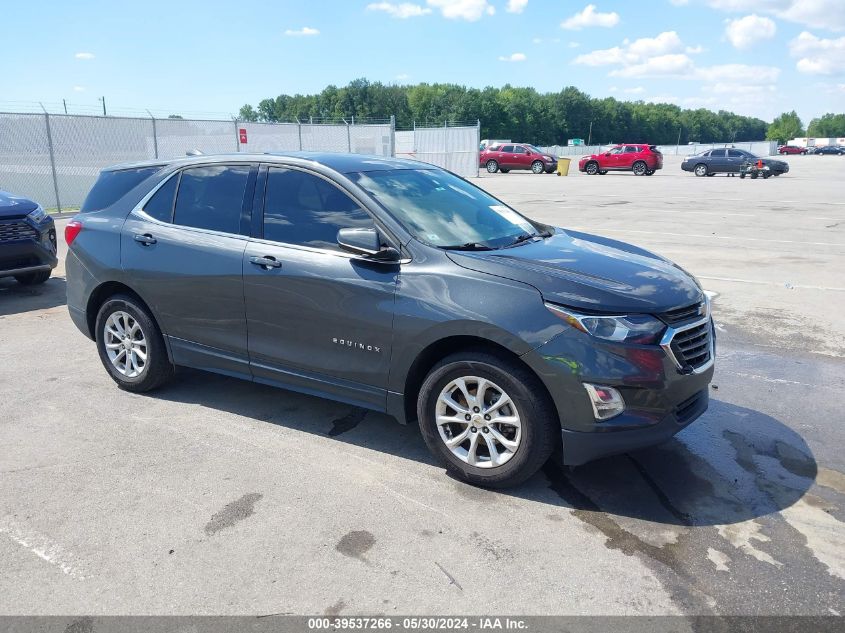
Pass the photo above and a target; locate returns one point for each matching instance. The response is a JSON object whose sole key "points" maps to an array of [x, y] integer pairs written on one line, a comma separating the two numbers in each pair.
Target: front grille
{"points": [[692, 347], [17, 230], [690, 407], [679, 315]]}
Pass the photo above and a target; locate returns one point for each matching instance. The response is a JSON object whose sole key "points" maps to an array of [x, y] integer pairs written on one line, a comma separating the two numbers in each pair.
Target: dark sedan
{"points": [[830, 149], [728, 161]]}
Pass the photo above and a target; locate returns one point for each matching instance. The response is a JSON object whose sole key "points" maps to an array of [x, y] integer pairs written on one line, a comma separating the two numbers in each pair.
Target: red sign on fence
{"points": [[242, 135]]}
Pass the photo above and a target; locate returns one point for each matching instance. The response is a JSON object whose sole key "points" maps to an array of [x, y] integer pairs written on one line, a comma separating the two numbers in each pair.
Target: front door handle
{"points": [[266, 263], [146, 239]]}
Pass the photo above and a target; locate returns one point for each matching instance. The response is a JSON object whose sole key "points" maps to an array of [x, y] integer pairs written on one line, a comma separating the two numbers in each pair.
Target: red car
{"points": [[791, 149], [506, 156], [639, 158]]}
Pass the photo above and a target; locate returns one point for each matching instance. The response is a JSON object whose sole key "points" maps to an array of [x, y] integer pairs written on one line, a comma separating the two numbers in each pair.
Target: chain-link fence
{"points": [[55, 158], [453, 146]]}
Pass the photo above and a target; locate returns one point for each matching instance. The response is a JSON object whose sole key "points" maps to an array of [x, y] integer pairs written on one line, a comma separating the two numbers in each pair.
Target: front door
{"points": [[718, 161], [184, 254], [319, 319]]}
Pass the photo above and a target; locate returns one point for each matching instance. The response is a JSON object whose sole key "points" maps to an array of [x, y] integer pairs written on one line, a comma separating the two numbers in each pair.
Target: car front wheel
{"points": [[130, 345], [537, 167], [492, 166], [591, 168], [33, 279], [485, 419], [700, 170]]}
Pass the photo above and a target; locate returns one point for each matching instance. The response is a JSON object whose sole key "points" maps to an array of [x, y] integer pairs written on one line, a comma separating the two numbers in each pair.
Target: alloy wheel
{"points": [[125, 343], [478, 422]]}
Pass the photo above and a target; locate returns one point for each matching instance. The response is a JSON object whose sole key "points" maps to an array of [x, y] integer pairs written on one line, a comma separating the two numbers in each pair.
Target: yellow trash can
{"points": [[563, 166]]}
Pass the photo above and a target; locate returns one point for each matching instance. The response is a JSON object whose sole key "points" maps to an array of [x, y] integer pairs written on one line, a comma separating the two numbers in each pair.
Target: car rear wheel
{"points": [[603, 172], [504, 171], [485, 418], [649, 172], [700, 170], [710, 174], [639, 168], [537, 167], [592, 168], [492, 166], [33, 279], [130, 345]]}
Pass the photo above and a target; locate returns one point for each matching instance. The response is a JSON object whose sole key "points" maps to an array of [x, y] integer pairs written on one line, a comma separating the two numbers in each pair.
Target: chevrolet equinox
{"points": [[395, 286]]}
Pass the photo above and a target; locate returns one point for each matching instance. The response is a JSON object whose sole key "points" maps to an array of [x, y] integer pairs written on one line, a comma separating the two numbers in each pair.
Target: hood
{"points": [[589, 272], [13, 206]]}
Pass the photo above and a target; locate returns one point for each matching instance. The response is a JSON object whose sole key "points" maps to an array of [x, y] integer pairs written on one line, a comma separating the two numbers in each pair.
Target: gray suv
{"points": [[395, 286]]}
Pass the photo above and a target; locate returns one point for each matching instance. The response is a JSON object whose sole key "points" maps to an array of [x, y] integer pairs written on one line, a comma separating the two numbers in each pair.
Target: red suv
{"points": [[506, 156], [640, 159], [791, 149]]}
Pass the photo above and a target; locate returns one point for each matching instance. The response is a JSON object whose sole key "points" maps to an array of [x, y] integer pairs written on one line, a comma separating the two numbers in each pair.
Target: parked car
{"points": [[791, 149], [487, 142], [27, 240], [507, 156], [395, 286], [729, 161], [639, 158], [830, 149]]}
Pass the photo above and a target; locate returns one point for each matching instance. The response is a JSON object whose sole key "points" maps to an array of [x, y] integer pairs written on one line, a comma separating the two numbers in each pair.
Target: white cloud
{"points": [[679, 3], [818, 56], [746, 31], [590, 17], [516, 6], [636, 52], [573, 44], [820, 14], [79, 88], [694, 50], [403, 10], [739, 74], [673, 65], [304, 31], [470, 10], [537, 40], [84, 56], [515, 57], [636, 90]]}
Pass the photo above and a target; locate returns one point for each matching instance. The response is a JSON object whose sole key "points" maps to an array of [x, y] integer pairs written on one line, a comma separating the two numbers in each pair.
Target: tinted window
{"points": [[300, 208], [717, 153], [160, 206], [508, 149], [112, 185], [735, 153], [211, 197], [632, 149], [616, 150], [519, 149]]}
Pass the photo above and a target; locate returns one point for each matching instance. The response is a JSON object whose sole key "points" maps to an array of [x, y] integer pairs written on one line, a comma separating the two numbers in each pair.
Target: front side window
{"points": [[212, 197], [616, 150], [717, 153], [304, 209], [443, 210]]}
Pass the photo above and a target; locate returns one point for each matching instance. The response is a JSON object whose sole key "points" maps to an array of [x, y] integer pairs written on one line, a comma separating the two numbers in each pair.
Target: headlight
{"points": [[38, 215], [628, 328]]}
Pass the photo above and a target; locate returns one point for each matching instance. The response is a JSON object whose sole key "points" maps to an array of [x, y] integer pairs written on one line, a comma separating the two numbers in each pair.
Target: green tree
{"points": [[785, 128], [828, 126]]}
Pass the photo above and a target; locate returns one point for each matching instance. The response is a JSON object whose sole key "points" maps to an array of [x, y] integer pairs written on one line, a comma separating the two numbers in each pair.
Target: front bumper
{"points": [[26, 247], [660, 399]]}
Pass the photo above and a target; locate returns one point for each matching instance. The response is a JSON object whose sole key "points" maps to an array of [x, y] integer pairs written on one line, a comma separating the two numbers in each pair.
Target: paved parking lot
{"points": [[219, 496]]}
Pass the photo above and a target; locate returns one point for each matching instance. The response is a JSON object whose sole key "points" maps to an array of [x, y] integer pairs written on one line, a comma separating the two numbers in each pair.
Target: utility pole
{"points": [[590, 136], [103, 99], [64, 103], [679, 135]]}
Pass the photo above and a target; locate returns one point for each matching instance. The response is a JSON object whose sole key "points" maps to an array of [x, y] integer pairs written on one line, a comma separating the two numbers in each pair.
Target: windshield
{"points": [[534, 149], [443, 210]]}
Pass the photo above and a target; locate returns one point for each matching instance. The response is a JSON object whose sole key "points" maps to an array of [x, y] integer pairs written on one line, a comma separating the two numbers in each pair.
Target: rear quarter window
{"points": [[111, 186]]}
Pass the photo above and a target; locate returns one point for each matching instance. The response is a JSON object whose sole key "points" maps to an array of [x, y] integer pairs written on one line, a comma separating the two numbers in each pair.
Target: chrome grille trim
{"points": [[690, 346]]}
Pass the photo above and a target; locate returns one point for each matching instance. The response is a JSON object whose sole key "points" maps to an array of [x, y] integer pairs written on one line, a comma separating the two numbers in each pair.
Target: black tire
{"points": [[766, 175], [538, 167], [539, 423], [603, 172], [157, 368], [591, 168], [777, 173], [639, 168], [754, 175], [649, 172], [492, 166], [33, 279], [803, 153], [742, 175], [504, 171], [711, 174], [701, 170]]}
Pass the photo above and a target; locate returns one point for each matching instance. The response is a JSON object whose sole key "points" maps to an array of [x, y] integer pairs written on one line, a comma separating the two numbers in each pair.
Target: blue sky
{"points": [[183, 56]]}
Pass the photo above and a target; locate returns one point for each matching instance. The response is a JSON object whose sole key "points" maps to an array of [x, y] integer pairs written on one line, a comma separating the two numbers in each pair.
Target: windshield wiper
{"points": [[525, 237], [469, 246]]}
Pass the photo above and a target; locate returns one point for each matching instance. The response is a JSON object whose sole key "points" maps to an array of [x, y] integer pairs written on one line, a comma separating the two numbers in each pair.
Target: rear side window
{"points": [[632, 149], [212, 197], [111, 186], [735, 153], [507, 149], [160, 206], [718, 153], [301, 208]]}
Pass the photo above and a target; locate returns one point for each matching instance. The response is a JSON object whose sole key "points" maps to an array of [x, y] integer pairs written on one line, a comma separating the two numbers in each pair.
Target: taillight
{"points": [[72, 230]]}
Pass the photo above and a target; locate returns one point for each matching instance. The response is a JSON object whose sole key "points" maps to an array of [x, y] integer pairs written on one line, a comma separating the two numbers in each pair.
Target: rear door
{"points": [[319, 319], [733, 161], [183, 251], [506, 157], [628, 156]]}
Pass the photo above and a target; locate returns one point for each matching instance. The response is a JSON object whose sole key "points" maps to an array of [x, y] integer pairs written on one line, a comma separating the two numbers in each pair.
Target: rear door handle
{"points": [[267, 262], [146, 239]]}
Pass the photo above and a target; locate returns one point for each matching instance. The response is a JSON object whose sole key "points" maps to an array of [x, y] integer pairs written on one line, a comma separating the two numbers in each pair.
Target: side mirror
{"points": [[366, 242]]}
